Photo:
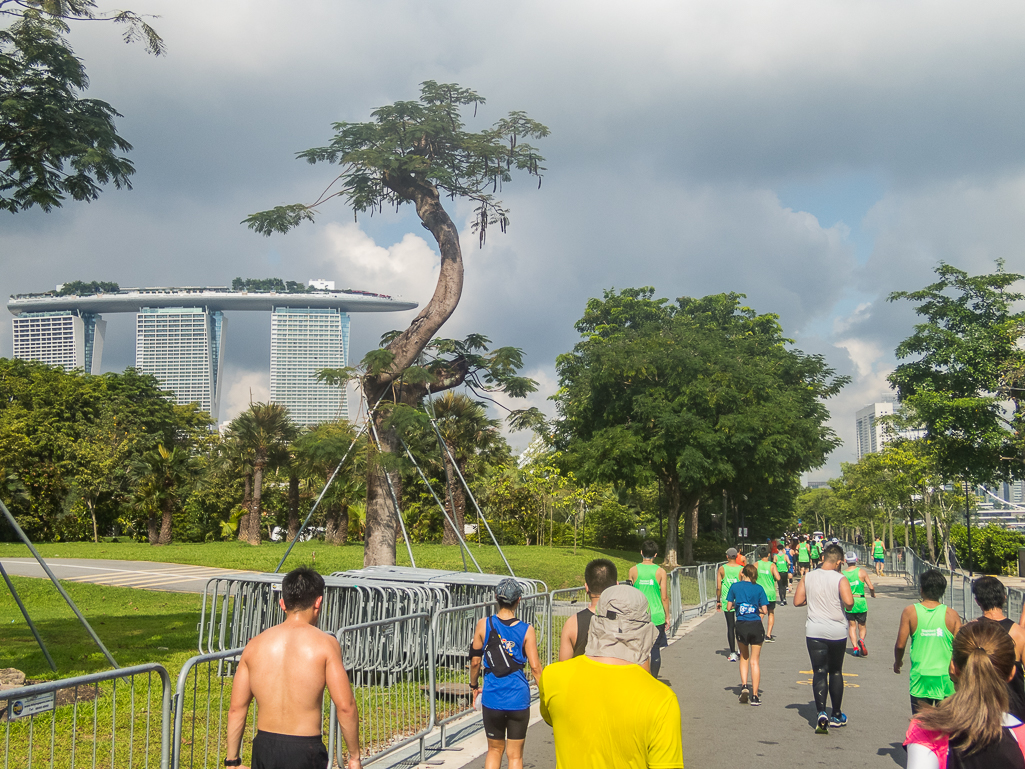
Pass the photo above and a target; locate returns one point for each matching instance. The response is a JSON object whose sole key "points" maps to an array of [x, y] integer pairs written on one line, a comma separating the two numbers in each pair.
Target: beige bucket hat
{"points": [[621, 627]]}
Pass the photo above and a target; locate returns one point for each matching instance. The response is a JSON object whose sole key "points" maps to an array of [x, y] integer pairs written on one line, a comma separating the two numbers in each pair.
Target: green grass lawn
{"points": [[557, 566]]}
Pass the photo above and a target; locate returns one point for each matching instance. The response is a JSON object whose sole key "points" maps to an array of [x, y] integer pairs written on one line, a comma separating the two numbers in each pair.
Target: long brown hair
{"points": [[983, 655]]}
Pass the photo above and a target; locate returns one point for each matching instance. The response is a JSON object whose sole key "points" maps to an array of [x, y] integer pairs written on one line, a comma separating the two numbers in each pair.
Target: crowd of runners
{"points": [[967, 697]]}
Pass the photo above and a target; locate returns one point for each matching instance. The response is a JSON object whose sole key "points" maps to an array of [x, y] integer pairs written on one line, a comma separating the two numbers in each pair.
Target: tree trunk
{"points": [[872, 530], [336, 524], [945, 529], [293, 507], [153, 530], [892, 543], [455, 503], [242, 530], [672, 487], [382, 527], [92, 512], [929, 539], [165, 523], [690, 528], [907, 543], [253, 532]]}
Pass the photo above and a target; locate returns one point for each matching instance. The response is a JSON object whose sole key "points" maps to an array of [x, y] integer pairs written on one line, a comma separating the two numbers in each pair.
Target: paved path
{"points": [[718, 732], [149, 575]]}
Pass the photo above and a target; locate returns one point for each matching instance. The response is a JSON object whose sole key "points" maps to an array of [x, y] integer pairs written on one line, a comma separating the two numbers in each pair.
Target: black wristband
{"points": [[233, 761], [475, 686]]}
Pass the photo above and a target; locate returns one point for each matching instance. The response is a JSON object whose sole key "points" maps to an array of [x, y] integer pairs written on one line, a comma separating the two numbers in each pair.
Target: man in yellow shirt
{"points": [[605, 708]]}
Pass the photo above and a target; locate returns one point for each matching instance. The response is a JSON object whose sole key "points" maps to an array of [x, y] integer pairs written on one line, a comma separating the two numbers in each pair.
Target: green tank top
{"points": [[931, 646], [802, 552], [781, 562], [766, 580], [815, 550], [877, 550], [731, 574], [647, 583], [858, 589]]}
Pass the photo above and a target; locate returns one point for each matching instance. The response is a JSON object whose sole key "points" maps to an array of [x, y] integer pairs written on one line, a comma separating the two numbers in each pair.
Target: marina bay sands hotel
{"points": [[179, 337]]}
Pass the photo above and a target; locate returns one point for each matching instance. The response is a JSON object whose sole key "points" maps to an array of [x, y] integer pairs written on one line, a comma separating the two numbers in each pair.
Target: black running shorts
{"points": [[750, 633], [860, 617], [506, 724], [288, 751]]}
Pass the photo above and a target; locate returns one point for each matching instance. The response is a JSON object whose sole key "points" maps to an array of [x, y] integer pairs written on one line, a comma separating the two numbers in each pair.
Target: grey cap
{"points": [[621, 626], [508, 590], [731, 553], [851, 557]]}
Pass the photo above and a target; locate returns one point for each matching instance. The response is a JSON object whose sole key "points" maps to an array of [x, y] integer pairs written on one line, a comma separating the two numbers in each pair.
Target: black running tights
{"points": [[731, 622], [782, 585], [827, 662]]}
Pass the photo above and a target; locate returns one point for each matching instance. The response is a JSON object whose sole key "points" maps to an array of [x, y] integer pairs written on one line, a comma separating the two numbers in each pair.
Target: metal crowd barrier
{"points": [[113, 718], [563, 605], [396, 700], [465, 587]]}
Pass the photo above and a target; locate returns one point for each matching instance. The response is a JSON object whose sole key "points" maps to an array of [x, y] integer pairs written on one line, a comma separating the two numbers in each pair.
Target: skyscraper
{"points": [[183, 347], [870, 429], [67, 338], [304, 340]]}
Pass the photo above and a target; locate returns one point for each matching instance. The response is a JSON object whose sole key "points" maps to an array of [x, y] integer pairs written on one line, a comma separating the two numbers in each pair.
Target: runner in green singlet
{"points": [[879, 556], [651, 580], [804, 557], [783, 569], [727, 574], [768, 577], [931, 627], [857, 616], [816, 553]]}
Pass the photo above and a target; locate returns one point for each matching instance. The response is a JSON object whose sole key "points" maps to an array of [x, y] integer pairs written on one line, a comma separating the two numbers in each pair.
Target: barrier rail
{"points": [[201, 700], [107, 718], [391, 666]]}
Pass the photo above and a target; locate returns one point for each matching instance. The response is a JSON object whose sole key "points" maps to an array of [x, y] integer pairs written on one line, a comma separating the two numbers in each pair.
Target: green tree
{"points": [[54, 143], [261, 432], [963, 364], [317, 454], [413, 152], [163, 477], [702, 394]]}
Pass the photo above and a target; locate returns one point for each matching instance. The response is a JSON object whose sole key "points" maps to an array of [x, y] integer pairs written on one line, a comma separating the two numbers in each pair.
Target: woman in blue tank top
{"points": [[505, 701]]}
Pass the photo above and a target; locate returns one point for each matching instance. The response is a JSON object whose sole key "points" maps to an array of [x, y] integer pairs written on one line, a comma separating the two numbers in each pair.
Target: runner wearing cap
{"points": [[857, 615], [651, 580], [727, 574], [768, 578], [605, 709], [747, 599], [505, 700]]}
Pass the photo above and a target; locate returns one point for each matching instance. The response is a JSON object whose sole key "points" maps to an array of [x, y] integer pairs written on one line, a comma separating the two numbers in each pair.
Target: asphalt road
{"points": [[148, 575], [720, 733]]}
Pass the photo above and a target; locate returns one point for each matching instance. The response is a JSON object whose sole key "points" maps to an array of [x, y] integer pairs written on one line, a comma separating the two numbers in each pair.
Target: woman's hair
{"points": [[750, 571], [984, 657]]}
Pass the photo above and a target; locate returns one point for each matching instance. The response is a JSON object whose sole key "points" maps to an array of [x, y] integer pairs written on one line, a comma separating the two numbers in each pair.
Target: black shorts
{"points": [[506, 724], [288, 751], [860, 617], [771, 606], [750, 633]]}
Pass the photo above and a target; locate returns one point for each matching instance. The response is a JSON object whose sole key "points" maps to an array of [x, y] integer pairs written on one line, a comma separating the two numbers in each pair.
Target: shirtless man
{"points": [[286, 669], [599, 574]]}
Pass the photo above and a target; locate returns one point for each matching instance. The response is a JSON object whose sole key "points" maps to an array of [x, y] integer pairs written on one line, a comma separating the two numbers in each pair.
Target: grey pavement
{"points": [[173, 577], [719, 732]]}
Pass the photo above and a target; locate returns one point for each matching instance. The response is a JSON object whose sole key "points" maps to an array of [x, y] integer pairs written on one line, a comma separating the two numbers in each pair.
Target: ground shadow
{"points": [[896, 752], [806, 710], [723, 652]]}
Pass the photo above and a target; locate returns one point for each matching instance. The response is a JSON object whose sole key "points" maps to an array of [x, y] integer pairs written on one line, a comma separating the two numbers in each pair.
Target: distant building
{"points": [[817, 485], [304, 340], [181, 347], [870, 429], [71, 339]]}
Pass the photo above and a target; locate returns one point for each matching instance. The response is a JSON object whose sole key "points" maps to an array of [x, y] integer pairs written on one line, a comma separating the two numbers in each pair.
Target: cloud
{"points": [[245, 387]]}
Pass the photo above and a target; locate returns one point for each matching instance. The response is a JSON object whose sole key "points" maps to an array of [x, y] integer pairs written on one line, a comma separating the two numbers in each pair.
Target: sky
{"points": [[813, 156]]}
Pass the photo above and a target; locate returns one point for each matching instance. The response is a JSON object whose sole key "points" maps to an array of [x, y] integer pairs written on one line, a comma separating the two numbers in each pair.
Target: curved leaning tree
{"points": [[416, 152]]}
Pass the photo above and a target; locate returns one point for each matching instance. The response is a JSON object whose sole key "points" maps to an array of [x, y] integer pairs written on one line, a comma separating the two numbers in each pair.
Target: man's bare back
{"points": [[286, 668]]}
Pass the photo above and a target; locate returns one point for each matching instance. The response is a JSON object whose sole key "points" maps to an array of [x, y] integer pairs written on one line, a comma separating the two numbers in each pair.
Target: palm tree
{"points": [[163, 477], [263, 430], [468, 432]]}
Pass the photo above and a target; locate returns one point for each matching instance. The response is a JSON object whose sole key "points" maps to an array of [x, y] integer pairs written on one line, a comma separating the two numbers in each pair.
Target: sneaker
{"points": [[744, 693], [855, 653], [734, 657], [837, 721], [755, 700], [822, 723], [770, 639], [864, 651]]}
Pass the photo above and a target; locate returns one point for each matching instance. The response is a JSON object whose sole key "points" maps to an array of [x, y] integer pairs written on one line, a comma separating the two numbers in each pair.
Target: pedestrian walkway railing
{"points": [[115, 718]]}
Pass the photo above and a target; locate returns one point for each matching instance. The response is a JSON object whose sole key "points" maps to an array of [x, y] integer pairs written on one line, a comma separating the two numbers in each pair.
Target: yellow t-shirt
{"points": [[610, 716]]}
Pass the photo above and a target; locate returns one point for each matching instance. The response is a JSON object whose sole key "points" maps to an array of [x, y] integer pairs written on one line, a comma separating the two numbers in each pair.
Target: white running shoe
{"points": [[734, 657]]}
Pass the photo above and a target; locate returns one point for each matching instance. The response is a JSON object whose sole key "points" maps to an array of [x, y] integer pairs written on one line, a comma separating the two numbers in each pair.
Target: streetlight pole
{"points": [[968, 521]]}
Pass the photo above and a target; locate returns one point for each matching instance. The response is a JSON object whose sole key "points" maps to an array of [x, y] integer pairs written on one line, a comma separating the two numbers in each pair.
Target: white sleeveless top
{"points": [[826, 619]]}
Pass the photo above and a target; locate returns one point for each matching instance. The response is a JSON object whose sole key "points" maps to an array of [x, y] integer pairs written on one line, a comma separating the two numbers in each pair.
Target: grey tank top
{"points": [[826, 619]]}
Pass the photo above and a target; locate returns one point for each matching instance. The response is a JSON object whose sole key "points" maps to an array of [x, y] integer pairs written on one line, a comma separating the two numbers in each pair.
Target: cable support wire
{"points": [[466, 486], [444, 512]]}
